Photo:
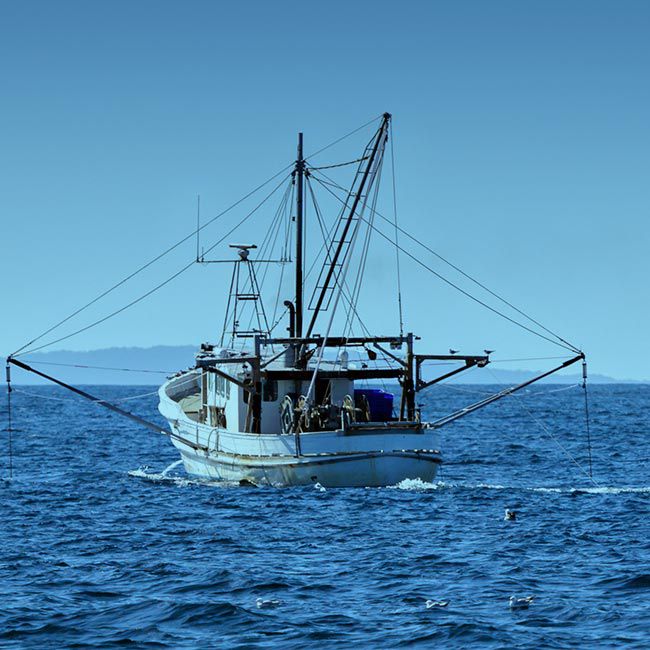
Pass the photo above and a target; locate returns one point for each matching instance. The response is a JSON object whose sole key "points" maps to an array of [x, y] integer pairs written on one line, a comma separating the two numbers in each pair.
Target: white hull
{"points": [[362, 470], [369, 457]]}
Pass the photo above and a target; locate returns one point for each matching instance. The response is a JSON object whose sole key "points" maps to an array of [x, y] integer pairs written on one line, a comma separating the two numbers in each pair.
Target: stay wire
{"points": [[356, 289], [347, 135], [150, 262], [588, 427], [158, 286], [326, 239], [552, 436], [345, 164], [181, 241], [266, 250], [399, 275], [10, 429], [465, 293], [463, 273], [87, 367]]}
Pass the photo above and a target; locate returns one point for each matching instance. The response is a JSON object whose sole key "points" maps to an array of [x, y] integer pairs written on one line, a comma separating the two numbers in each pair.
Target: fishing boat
{"points": [[281, 410], [302, 398]]}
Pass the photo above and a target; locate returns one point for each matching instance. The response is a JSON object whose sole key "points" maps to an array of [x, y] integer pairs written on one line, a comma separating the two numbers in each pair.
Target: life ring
{"points": [[287, 415], [304, 417]]}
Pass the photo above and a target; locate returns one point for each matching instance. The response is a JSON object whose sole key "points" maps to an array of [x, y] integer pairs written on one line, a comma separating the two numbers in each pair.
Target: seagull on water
{"points": [[521, 603], [436, 603], [452, 351], [267, 602], [510, 515]]}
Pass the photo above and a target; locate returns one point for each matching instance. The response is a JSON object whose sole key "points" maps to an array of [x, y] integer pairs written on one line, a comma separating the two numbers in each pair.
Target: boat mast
{"points": [[300, 175]]}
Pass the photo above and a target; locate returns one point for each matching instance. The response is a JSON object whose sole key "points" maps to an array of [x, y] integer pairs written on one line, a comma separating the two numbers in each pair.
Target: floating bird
{"points": [[510, 515], [488, 352], [436, 603], [452, 351], [521, 603], [267, 602]]}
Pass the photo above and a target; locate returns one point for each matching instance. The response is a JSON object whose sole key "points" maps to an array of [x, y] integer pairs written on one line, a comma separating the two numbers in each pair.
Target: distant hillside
{"points": [[167, 359]]}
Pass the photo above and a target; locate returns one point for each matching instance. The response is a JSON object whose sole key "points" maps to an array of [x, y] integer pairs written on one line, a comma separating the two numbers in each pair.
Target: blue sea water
{"points": [[101, 548]]}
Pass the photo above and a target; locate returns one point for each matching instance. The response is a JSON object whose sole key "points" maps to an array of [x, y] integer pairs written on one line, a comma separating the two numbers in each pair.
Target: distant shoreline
{"points": [[136, 366]]}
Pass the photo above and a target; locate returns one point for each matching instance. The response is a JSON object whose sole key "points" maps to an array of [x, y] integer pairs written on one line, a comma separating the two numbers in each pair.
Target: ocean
{"points": [[101, 547]]}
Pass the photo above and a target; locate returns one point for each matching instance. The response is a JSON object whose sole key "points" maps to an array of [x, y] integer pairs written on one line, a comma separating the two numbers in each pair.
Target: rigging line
{"points": [[158, 286], [269, 247], [307, 276], [69, 398], [356, 287], [524, 359], [550, 434], [356, 290], [357, 195], [370, 173], [347, 135], [584, 386], [466, 275], [182, 241], [150, 262], [350, 162], [283, 254], [78, 365], [399, 275], [266, 249], [323, 247], [10, 430], [326, 238], [465, 293], [39, 396]]}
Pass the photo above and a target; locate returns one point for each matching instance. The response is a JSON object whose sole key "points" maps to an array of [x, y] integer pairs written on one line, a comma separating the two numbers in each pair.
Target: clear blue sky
{"points": [[522, 138]]}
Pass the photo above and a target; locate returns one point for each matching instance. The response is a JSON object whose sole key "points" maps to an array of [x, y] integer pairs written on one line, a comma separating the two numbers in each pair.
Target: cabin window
{"points": [[270, 390]]}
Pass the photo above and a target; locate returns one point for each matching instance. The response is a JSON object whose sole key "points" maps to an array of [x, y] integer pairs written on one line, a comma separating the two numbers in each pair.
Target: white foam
{"points": [[422, 486], [416, 484], [169, 468], [179, 481]]}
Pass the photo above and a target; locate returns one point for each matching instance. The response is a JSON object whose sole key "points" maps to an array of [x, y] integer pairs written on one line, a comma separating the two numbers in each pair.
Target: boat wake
{"points": [[177, 480], [416, 485]]}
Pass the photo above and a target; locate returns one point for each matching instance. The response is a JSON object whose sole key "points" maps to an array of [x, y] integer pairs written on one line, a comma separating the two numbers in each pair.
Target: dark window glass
{"points": [[270, 391]]}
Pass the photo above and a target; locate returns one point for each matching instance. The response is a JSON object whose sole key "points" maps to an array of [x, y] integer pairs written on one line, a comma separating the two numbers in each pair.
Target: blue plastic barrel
{"points": [[379, 401]]}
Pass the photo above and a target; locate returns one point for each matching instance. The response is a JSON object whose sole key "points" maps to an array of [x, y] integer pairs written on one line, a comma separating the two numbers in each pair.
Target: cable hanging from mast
{"points": [[158, 286], [168, 250], [557, 340], [194, 233], [455, 267], [399, 275]]}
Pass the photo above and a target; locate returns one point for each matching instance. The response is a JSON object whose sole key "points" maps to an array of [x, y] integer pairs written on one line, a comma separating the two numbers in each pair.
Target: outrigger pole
{"points": [[105, 404], [88, 396], [504, 393]]}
